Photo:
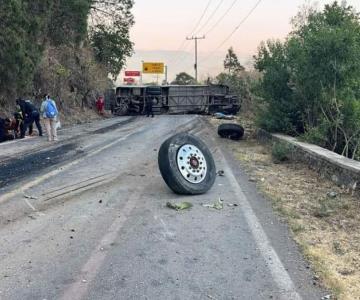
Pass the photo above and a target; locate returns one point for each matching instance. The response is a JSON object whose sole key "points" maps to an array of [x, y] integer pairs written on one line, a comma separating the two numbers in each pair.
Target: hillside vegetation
{"points": [[65, 48]]}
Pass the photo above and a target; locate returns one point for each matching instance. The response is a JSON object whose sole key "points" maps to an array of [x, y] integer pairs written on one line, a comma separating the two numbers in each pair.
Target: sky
{"points": [[162, 26]]}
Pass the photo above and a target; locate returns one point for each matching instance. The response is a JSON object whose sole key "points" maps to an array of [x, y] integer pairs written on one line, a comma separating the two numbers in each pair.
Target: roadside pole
{"points": [[196, 38]]}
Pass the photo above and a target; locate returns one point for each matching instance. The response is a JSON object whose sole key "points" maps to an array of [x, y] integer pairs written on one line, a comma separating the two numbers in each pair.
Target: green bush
{"points": [[281, 152], [316, 135], [311, 82]]}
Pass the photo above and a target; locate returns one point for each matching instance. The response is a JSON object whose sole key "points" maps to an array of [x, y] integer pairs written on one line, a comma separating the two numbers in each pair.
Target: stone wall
{"points": [[341, 170]]}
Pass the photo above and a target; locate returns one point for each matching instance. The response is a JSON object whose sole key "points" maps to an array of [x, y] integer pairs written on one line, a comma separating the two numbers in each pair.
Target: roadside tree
{"points": [[184, 78], [110, 33], [311, 83], [231, 62]]}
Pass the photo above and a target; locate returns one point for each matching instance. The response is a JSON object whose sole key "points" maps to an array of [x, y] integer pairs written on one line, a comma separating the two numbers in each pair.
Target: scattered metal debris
{"points": [[179, 206], [220, 173], [30, 197]]}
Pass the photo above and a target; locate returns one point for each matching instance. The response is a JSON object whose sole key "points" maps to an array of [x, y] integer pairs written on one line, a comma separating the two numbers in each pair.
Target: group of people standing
{"points": [[26, 115]]}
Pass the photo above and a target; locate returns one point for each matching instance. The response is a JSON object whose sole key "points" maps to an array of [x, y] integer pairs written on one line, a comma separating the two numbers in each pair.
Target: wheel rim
{"points": [[122, 106], [191, 163]]}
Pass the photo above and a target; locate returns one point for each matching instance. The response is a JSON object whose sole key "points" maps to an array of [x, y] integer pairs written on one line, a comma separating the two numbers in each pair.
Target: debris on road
{"points": [[179, 206], [232, 204], [218, 205], [222, 116], [30, 197], [220, 173]]}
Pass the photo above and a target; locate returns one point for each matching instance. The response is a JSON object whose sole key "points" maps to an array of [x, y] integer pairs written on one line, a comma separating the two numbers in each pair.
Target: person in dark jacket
{"points": [[149, 107], [4, 133], [30, 114]]}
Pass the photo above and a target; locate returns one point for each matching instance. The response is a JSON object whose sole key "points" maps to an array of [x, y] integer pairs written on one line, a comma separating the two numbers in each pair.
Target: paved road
{"points": [[86, 219]]}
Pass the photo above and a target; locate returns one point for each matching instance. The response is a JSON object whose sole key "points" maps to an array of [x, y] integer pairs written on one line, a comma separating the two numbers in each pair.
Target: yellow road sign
{"points": [[153, 68]]}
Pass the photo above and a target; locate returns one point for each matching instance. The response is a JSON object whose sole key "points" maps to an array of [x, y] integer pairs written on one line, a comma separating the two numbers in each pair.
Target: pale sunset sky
{"points": [[162, 26]]}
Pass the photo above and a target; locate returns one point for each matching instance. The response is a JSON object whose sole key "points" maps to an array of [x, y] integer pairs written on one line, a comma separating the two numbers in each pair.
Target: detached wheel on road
{"points": [[186, 165], [231, 131]]}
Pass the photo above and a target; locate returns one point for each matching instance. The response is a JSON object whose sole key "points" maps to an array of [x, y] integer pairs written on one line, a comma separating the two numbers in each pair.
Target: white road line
{"points": [[278, 272], [78, 289], [29, 204]]}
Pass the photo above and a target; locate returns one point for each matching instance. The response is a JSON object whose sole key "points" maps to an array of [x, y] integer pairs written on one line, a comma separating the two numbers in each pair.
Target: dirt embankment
{"points": [[323, 218]]}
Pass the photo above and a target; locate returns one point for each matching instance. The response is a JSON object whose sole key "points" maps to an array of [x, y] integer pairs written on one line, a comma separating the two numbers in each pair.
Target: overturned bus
{"points": [[172, 99]]}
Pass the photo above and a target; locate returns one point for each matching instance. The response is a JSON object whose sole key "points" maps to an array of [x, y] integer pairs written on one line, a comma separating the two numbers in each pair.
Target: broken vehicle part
{"points": [[186, 164], [217, 205], [179, 206], [231, 131]]}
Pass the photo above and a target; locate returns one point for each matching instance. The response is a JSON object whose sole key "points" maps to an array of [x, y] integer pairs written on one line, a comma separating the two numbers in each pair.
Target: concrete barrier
{"points": [[341, 170]]}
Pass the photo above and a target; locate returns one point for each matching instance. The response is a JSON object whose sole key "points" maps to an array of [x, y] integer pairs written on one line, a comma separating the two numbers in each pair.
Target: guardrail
{"points": [[341, 170]]}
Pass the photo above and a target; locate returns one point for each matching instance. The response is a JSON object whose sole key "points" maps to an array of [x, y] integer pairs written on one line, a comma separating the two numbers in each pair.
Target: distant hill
{"points": [[178, 61]]}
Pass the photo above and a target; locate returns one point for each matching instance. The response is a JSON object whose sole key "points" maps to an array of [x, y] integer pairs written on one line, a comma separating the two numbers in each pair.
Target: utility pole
{"points": [[196, 38]]}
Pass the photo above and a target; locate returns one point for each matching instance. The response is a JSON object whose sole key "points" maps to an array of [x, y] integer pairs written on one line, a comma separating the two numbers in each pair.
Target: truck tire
{"points": [[231, 131], [122, 106], [186, 165]]}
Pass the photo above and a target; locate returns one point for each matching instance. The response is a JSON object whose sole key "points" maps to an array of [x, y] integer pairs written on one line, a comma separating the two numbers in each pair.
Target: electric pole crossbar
{"points": [[196, 38]]}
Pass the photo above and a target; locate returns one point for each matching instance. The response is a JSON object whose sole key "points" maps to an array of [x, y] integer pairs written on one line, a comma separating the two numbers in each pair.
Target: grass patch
{"points": [[280, 152], [324, 219]]}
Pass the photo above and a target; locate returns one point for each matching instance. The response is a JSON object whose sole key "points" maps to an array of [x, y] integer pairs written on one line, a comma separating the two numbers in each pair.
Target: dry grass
{"points": [[327, 229], [79, 116]]}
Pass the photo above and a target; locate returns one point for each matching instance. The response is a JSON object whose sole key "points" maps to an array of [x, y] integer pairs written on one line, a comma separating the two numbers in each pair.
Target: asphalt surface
{"points": [[86, 219]]}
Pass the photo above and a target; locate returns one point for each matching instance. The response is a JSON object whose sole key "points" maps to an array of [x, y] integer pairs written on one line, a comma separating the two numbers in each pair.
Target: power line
{"points": [[222, 17], [235, 29], [181, 47], [179, 57], [202, 16], [210, 17]]}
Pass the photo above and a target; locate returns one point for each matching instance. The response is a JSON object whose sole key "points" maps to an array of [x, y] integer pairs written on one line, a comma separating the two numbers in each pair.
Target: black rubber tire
{"points": [[167, 160], [231, 131], [122, 106]]}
